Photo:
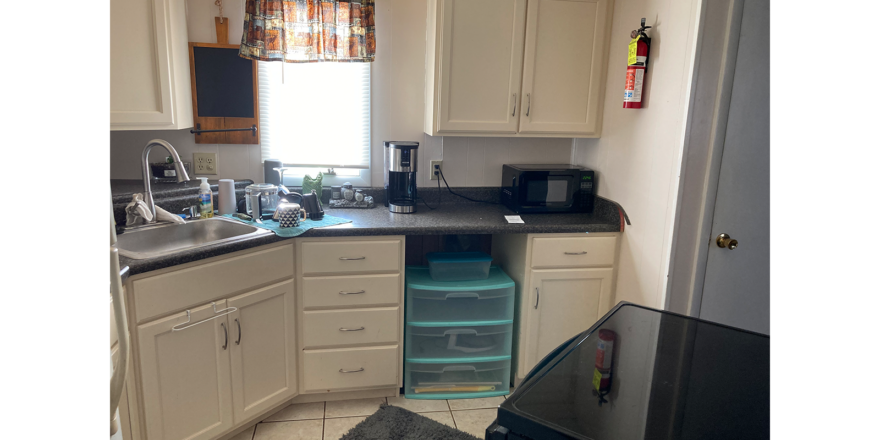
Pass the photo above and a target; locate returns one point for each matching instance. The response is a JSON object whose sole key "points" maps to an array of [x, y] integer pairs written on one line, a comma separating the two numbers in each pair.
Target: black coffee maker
{"points": [[401, 164]]}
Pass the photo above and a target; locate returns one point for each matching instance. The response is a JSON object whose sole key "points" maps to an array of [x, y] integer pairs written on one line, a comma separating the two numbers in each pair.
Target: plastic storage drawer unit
{"points": [[458, 266], [458, 341], [452, 380], [427, 300]]}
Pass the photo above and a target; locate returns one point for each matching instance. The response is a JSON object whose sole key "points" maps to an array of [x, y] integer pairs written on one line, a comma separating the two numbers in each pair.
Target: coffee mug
{"points": [[289, 215]]}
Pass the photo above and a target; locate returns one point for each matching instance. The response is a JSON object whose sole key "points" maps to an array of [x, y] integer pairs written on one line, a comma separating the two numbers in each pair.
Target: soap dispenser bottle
{"points": [[206, 199]]}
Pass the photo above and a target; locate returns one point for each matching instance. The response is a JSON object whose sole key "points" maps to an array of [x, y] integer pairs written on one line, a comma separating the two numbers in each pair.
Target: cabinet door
{"points": [[562, 304], [564, 66], [261, 335], [481, 46], [185, 376], [149, 65]]}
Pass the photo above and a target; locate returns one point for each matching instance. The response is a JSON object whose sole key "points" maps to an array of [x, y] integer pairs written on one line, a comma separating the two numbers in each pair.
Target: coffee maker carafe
{"points": [[401, 164]]}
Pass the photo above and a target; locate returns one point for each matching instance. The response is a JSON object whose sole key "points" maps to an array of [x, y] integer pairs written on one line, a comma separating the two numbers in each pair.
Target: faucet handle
{"points": [[191, 212]]}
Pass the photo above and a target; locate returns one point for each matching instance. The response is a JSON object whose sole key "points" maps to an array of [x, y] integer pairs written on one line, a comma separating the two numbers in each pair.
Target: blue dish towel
{"points": [[304, 225]]}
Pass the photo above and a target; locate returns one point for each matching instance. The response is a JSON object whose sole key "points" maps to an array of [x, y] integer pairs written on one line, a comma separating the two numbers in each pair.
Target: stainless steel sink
{"points": [[163, 239]]}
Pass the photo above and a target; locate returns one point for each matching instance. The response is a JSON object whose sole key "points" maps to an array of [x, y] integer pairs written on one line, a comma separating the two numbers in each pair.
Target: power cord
{"points": [[456, 194], [439, 198]]}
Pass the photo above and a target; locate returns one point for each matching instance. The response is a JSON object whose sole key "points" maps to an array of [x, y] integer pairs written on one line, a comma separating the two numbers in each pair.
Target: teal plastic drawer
{"points": [[429, 301], [458, 341], [456, 379]]}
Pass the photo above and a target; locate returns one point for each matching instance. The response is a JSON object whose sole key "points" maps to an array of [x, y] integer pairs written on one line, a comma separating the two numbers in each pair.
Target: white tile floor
{"points": [[330, 420]]}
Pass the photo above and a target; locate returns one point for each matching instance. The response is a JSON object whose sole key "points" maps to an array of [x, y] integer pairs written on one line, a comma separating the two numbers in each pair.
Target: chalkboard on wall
{"points": [[225, 94]]}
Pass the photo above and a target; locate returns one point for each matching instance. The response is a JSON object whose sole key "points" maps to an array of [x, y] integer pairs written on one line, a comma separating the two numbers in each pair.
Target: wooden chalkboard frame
{"points": [[214, 123]]}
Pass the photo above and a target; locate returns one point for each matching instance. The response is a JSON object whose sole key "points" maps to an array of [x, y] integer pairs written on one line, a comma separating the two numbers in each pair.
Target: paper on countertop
{"points": [[513, 219]]}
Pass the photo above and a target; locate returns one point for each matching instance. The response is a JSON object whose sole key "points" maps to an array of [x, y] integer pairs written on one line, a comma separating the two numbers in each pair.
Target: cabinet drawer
{"points": [[326, 370], [572, 252], [350, 256], [341, 327], [349, 291], [178, 290]]}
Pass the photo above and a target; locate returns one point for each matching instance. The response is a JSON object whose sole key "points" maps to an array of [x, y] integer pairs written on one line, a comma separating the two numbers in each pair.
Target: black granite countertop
{"points": [[123, 189], [453, 216]]}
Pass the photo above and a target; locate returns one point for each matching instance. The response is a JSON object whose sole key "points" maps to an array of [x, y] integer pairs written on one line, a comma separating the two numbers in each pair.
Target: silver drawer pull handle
{"points": [[353, 293], [576, 253], [351, 371], [352, 258], [351, 329]]}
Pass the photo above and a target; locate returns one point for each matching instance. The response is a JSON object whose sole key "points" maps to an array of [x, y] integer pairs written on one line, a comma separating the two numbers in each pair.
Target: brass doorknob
{"points": [[724, 241]]}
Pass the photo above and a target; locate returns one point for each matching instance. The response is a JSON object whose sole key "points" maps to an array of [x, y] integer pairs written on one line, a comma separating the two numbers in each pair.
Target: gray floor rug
{"points": [[393, 423]]}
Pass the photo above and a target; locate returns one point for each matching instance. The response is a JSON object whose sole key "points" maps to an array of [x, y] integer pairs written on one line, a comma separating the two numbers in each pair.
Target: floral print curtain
{"points": [[309, 31]]}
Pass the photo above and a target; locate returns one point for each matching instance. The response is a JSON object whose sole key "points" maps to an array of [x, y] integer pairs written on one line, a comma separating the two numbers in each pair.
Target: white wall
{"points": [[398, 102], [639, 154]]}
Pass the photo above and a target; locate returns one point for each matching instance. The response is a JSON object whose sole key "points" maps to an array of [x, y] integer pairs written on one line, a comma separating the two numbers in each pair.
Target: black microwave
{"points": [[548, 188]]}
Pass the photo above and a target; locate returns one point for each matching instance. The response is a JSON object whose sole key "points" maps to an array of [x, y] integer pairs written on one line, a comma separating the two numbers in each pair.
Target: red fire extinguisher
{"points": [[636, 67]]}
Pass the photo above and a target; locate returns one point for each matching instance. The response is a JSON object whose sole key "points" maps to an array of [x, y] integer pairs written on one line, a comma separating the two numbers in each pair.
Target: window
{"points": [[319, 116]]}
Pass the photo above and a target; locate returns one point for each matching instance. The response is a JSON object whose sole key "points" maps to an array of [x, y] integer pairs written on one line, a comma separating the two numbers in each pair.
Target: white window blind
{"points": [[318, 117]]}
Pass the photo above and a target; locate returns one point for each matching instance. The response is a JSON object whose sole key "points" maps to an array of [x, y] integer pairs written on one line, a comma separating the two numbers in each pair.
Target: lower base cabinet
{"points": [[199, 381], [187, 390], [564, 284], [564, 303], [262, 347]]}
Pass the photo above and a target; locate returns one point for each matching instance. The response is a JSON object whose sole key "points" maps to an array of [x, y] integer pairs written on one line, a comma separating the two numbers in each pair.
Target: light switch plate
{"points": [[205, 163]]}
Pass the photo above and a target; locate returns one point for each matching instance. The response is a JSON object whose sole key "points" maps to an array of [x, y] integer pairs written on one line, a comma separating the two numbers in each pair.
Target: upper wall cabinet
{"points": [[531, 68], [149, 65]]}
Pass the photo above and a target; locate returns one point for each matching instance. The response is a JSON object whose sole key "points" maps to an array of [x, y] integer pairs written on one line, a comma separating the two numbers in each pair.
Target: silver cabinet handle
{"points": [[352, 258], [352, 293], [225, 335], [537, 297], [351, 371], [514, 105], [351, 329], [529, 108], [238, 341], [576, 253]]}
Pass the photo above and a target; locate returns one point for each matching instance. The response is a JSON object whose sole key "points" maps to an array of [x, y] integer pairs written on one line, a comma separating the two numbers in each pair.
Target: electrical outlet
{"points": [[205, 163], [436, 165]]}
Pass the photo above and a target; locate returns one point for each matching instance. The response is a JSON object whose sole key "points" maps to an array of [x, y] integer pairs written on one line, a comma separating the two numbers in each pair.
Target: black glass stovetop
{"points": [[669, 377]]}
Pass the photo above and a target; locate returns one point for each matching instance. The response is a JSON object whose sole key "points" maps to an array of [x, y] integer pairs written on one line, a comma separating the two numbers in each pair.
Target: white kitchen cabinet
{"points": [[564, 68], [263, 349], [350, 323], [516, 68], [479, 52], [564, 303], [185, 376], [149, 66], [564, 284]]}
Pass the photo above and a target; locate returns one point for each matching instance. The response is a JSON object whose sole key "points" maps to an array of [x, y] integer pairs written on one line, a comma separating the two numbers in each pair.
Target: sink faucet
{"points": [[178, 167]]}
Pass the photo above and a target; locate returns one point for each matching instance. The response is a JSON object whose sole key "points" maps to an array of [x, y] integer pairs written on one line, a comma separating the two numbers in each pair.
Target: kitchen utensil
{"points": [[226, 196], [270, 173], [312, 204], [263, 197], [289, 214]]}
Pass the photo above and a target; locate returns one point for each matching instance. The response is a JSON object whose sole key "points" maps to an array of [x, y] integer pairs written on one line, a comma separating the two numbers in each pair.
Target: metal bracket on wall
{"points": [[199, 130]]}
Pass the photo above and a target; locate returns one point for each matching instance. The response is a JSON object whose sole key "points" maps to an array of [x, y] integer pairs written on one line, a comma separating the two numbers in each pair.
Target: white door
{"points": [[736, 290], [185, 375], [480, 65], [263, 349], [564, 67], [562, 304]]}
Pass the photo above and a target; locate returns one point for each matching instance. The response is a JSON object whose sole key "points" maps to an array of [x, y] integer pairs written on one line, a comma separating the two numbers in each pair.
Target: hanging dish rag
{"points": [[137, 213]]}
